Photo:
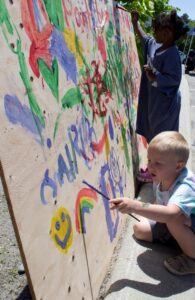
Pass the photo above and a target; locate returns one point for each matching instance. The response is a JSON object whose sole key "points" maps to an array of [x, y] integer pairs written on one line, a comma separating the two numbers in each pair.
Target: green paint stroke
{"points": [[4, 17], [79, 50], [56, 125], [123, 133], [114, 72], [71, 98], [50, 76], [25, 78], [85, 203], [55, 13]]}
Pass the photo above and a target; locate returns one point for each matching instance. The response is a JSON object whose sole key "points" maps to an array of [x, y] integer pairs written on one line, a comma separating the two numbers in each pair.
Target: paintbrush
{"points": [[106, 197], [122, 8]]}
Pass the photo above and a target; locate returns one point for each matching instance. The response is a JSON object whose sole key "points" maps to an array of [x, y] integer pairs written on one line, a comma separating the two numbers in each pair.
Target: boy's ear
{"points": [[180, 165]]}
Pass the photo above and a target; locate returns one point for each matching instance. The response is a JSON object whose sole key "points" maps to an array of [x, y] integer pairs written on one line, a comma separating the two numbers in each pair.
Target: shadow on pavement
{"points": [[25, 294], [191, 74], [151, 263]]}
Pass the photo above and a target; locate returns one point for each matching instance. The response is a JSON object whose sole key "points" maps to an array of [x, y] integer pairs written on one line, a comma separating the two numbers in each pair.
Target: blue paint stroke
{"points": [[37, 15], [47, 181], [60, 50], [115, 170], [111, 130], [63, 243], [81, 139], [92, 10], [111, 226], [73, 152], [22, 115], [49, 143], [85, 209], [63, 168]]}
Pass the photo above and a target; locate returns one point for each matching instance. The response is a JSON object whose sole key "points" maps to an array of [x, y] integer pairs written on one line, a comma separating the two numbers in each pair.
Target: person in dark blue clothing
{"points": [[159, 97]]}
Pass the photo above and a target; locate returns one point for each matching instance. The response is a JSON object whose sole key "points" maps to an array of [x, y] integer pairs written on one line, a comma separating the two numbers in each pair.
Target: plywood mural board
{"points": [[68, 87]]}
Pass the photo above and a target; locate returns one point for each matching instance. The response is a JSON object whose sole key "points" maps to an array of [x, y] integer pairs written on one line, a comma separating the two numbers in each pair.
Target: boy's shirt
{"points": [[181, 193]]}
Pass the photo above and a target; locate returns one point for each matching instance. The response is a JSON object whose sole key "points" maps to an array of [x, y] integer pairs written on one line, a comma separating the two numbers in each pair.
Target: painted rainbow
{"points": [[85, 201]]}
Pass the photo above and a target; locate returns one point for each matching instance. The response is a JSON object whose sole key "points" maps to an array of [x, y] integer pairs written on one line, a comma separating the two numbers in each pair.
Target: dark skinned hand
{"points": [[150, 75]]}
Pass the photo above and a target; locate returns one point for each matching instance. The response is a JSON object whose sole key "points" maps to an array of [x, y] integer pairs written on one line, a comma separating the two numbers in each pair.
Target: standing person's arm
{"points": [[137, 27]]}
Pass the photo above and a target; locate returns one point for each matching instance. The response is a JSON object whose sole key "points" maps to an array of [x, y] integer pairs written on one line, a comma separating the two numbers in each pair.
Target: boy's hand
{"points": [[150, 75], [124, 204]]}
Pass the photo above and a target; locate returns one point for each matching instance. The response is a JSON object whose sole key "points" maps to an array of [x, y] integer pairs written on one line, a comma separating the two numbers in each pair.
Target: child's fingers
{"points": [[135, 14], [146, 68], [114, 203]]}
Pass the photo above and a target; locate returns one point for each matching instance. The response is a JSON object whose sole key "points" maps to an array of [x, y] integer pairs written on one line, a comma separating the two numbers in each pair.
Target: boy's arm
{"points": [[154, 212]]}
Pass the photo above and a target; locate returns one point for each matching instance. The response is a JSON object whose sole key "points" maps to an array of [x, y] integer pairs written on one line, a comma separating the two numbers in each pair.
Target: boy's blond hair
{"points": [[171, 142]]}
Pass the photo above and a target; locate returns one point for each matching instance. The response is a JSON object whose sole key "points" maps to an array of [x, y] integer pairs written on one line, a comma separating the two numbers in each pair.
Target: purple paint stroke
{"points": [[47, 182], [111, 130], [22, 115], [37, 15], [92, 10], [112, 225], [84, 210], [60, 50], [49, 143]]}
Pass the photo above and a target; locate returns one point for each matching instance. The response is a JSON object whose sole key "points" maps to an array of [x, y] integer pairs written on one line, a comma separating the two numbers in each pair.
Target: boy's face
{"points": [[163, 167]]}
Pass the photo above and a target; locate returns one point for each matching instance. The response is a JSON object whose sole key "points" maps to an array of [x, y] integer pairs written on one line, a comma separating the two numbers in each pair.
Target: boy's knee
{"points": [[138, 231], [141, 232]]}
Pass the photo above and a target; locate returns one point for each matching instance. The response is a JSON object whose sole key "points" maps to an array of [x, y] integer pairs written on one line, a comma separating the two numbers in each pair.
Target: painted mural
{"points": [[68, 86]]}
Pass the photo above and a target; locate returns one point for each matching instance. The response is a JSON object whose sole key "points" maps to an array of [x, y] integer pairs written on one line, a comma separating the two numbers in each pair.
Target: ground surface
{"points": [[12, 285]]}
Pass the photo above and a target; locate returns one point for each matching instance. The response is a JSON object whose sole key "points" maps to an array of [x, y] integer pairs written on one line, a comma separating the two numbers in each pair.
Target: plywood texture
{"points": [[68, 86]]}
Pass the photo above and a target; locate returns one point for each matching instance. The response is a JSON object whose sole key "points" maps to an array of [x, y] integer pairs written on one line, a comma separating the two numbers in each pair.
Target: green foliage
{"points": [[147, 8]]}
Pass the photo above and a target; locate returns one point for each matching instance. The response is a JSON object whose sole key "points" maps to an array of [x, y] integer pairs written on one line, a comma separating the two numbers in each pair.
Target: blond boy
{"points": [[173, 213]]}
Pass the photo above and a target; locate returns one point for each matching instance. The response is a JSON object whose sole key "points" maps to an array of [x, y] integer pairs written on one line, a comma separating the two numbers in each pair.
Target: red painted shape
{"points": [[39, 39], [98, 147], [98, 105], [102, 47], [67, 12]]}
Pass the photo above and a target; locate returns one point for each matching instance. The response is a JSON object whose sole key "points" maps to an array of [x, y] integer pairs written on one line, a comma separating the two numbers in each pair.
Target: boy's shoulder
{"points": [[186, 177]]}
